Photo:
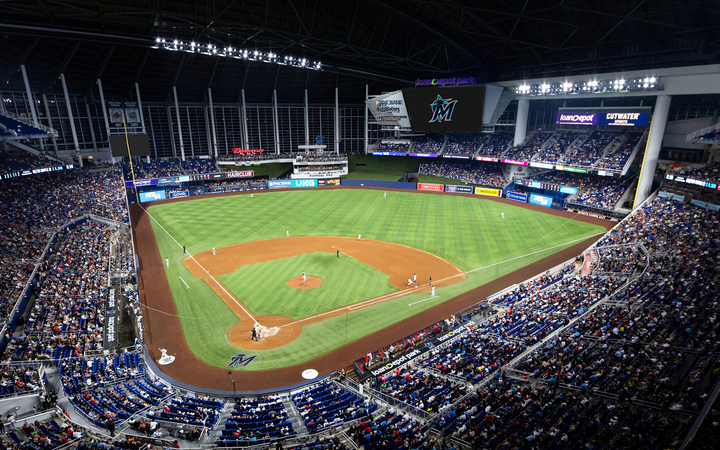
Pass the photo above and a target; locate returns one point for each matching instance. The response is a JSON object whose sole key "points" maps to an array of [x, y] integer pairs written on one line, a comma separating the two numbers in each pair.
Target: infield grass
{"points": [[251, 283], [466, 231]]}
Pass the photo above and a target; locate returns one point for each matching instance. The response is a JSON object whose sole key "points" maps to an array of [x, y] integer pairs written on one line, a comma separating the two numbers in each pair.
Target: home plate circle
{"points": [[309, 374]]}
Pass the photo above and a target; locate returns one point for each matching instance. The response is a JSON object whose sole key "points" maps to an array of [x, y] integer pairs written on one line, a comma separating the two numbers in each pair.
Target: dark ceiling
{"points": [[384, 43]]}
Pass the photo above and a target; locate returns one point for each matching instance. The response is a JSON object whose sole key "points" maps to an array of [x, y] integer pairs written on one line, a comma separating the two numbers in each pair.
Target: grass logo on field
{"points": [[241, 360], [442, 109]]}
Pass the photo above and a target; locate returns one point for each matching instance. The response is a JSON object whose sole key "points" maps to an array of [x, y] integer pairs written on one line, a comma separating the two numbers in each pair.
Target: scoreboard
{"points": [[548, 186]]}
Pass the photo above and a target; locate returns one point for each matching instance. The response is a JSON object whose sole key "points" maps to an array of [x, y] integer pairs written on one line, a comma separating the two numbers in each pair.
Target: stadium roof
{"points": [[381, 42]]}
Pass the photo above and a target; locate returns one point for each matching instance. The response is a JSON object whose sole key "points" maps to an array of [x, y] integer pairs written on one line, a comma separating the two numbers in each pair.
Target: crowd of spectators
{"points": [[462, 145], [195, 166], [427, 145], [616, 160], [526, 151], [392, 147], [706, 173], [587, 153], [496, 145], [136, 170], [236, 185], [593, 191], [18, 160], [327, 405], [160, 169], [390, 431], [556, 147], [481, 173], [256, 421], [18, 380]]}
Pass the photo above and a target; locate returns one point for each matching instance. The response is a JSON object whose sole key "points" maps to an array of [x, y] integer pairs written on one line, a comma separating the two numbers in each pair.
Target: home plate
{"points": [[309, 374]]}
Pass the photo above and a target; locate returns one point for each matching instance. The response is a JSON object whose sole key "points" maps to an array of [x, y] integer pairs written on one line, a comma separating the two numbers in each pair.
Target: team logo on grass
{"points": [[241, 360]]}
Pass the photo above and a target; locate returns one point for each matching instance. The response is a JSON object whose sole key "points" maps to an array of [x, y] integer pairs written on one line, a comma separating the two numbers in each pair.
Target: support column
{"points": [[307, 120], [47, 114], [365, 116], [521, 121], [337, 123], [276, 127], [142, 115], [244, 119], [70, 118], [172, 137], [212, 122], [104, 110], [92, 130], [179, 127], [652, 149], [31, 100], [189, 124]]}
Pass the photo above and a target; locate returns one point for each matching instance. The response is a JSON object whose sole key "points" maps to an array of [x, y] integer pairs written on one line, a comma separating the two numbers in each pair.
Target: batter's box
{"points": [[266, 332]]}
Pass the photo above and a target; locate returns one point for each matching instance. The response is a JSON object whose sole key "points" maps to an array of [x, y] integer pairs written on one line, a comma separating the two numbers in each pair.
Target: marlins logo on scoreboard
{"points": [[442, 109]]}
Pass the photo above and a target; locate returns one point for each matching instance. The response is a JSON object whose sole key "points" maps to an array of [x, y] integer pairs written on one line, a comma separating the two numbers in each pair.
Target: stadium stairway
{"points": [[210, 438], [298, 423]]}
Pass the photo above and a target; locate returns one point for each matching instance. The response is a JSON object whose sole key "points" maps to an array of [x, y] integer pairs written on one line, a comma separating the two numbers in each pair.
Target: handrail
{"points": [[29, 122]]}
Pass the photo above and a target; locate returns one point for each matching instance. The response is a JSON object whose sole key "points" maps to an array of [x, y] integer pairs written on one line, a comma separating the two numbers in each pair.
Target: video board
{"points": [[444, 109]]}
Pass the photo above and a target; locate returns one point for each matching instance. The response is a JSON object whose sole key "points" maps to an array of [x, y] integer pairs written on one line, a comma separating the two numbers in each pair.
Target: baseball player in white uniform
{"points": [[213, 251], [304, 277], [433, 292], [167, 261], [409, 282], [502, 214], [287, 233], [359, 237]]}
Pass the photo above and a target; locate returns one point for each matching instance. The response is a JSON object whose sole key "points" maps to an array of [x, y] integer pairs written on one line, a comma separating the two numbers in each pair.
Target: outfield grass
{"points": [[466, 231], [337, 290]]}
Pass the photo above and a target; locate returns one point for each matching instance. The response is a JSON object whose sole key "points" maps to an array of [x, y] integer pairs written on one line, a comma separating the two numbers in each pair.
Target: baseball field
{"points": [[354, 287]]}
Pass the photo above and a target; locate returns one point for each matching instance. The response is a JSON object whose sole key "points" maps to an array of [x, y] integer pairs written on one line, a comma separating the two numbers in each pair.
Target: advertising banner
{"points": [[541, 200], [274, 184], [623, 117], [445, 108], [461, 189], [486, 158], [576, 119], [239, 174], [424, 155], [389, 153], [177, 194], [516, 196], [568, 190], [309, 182], [140, 183], [430, 187], [456, 156], [486, 191], [542, 165], [390, 109], [152, 196], [514, 161], [329, 182]]}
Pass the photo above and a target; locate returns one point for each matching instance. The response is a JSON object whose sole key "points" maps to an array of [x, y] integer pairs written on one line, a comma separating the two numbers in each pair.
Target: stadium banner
{"points": [[275, 184], [151, 196], [416, 352], [490, 192], [516, 196], [454, 81], [140, 183], [247, 163], [390, 108], [424, 155], [110, 338], [183, 178], [591, 214], [329, 182], [239, 174], [430, 187], [568, 190], [542, 165], [389, 153], [486, 158], [459, 189], [611, 117], [176, 194], [514, 161], [541, 200], [456, 157], [379, 183], [307, 182], [445, 109], [679, 198]]}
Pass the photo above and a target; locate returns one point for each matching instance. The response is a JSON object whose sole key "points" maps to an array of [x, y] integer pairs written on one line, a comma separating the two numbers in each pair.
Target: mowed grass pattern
{"points": [[466, 231], [345, 281]]}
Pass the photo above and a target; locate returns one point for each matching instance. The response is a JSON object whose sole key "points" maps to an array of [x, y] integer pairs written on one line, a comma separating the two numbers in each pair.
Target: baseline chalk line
{"points": [[423, 300], [186, 286]]}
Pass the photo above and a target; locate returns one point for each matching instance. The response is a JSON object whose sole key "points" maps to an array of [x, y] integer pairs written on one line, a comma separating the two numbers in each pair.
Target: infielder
{"points": [[409, 282], [167, 261], [415, 278], [433, 292], [287, 233], [213, 251], [359, 237], [304, 277], [502, 215]]}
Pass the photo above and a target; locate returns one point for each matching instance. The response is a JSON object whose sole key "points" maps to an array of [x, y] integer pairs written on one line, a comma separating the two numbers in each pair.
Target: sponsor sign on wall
{"points": [[629, 117], [329, 182], [389, 153], [541, 200], [309, 182], [390, 108], [462, 189], [177, 194], [152, 196], [240, 174], [516, 196], [486, 191], [140, 183], [515, 161], [274, 184], [430, 187]]}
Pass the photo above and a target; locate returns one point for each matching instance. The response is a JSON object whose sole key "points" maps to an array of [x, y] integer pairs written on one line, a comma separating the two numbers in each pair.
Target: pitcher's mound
{"points": [[309, 283]]}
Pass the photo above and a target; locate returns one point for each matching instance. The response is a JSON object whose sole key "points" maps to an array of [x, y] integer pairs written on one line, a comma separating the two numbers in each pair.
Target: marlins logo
{"points": [[442, 109], [240, 360]]}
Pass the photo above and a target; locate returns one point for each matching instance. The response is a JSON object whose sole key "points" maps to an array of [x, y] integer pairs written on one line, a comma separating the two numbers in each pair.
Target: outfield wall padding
{"points": [[379, 183]]}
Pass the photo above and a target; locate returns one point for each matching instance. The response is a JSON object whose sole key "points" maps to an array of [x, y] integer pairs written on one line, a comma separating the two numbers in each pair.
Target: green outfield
{"points": [[466, 231], [251, 283]]}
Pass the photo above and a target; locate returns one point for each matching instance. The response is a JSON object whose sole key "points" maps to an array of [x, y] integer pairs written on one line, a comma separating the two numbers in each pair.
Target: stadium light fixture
{"points": [[593, 86], [230, 52]]}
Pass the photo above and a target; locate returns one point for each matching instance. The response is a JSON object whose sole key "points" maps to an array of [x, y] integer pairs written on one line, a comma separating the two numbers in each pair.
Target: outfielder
{"points": [[502, 215], [167, 261], [287, 233]]}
